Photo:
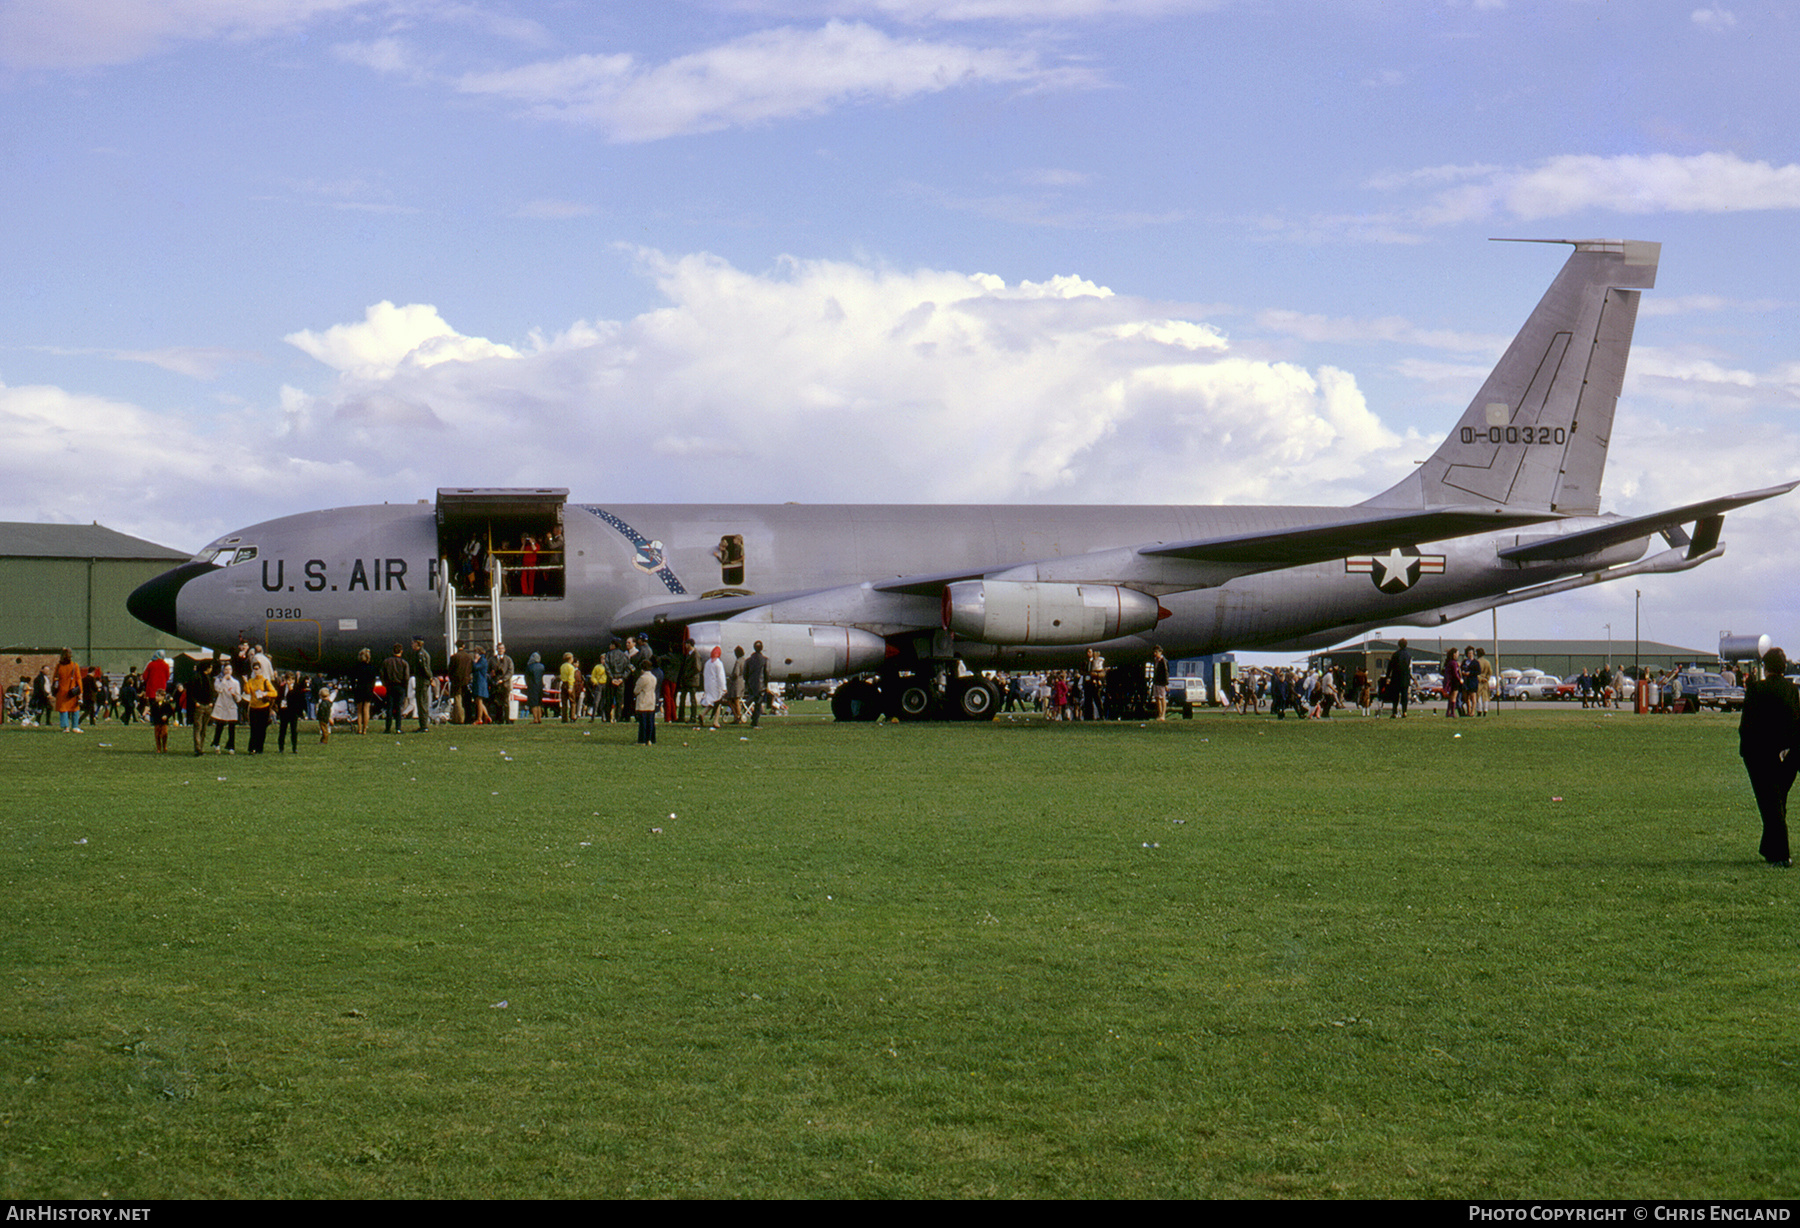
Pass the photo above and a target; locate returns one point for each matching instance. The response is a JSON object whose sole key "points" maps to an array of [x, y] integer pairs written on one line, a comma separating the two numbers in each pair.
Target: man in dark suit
{"points": [[1767, 736], [756, 680], [1399, 680], [421, 682], [396, 675]]}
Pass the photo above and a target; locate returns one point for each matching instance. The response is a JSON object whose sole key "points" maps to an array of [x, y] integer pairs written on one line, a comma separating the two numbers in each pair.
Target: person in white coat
{"points": [[227, 694], [712, 685]]}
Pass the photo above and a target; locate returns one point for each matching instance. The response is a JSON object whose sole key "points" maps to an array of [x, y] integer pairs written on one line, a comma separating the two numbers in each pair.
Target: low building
{"points": [[65, 585], [1564, 658]]}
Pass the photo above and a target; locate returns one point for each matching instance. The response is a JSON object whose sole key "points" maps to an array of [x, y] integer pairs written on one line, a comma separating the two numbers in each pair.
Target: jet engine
{"points": [[796, 651], [1015, 612]]}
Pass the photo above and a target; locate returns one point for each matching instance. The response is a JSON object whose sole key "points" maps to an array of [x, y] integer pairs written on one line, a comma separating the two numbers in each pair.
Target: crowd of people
{"points": [[528, 566], [692, 686], [219, 693], [628, 683], [69, 696], [1313, 694]]}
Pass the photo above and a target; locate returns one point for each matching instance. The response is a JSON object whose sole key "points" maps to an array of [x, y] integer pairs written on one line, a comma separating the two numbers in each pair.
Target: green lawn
{"points": [[1222, 957]]}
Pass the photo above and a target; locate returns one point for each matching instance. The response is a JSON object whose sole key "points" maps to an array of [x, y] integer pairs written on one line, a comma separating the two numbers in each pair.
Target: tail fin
{"points": [[1536, 434]]}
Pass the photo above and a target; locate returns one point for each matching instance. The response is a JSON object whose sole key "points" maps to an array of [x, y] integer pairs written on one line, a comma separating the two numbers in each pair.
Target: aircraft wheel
{"points": [[856, 701], [976, 701], [914, 700]]}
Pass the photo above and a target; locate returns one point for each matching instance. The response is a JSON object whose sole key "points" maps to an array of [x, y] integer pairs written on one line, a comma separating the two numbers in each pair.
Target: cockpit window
{"points": [[225, 553]]}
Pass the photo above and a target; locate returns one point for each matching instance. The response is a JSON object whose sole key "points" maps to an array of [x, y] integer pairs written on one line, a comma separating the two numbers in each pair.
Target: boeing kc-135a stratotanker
{"points": [[917, 601]]}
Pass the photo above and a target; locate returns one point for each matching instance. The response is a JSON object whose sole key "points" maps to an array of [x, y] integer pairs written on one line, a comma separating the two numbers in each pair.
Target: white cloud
{"points": [[1716, 19], [390, 337], [1690, 380], [71, 458], [1339, 329], [384, 55], [766, 76], [1701, 183], [1449, 375], [1649, 363], [92, 33], [1629, 183], [202, 362], [1685, 304], [1657, 463], [196, 361], [827, 381]]}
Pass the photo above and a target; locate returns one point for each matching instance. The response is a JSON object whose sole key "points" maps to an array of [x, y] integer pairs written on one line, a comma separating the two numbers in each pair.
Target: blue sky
{"points": [[300, 253]]}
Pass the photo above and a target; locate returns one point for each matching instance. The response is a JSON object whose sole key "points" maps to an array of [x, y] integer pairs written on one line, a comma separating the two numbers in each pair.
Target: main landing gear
{"points": [[917, 697]]}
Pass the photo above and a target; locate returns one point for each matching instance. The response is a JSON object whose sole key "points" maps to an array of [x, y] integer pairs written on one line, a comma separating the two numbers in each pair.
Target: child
{"points": [[323, 698], [162, 710]]}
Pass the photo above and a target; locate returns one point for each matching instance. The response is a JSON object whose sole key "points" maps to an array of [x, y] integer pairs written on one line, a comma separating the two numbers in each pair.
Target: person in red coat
{"points": [[66, 686], [156, 674]]}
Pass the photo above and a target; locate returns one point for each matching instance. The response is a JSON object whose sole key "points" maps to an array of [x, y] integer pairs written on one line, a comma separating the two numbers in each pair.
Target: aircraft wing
{"points": [[1707, 516], [1367, 534], [911, 602], [647, 616]]}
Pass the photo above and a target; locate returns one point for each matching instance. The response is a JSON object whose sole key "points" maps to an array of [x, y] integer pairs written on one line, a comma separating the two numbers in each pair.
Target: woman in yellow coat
{"points": [[67, 688]]}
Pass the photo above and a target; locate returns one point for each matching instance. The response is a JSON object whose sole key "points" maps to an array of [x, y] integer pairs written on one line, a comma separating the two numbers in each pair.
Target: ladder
{"points": [[473, 618]]}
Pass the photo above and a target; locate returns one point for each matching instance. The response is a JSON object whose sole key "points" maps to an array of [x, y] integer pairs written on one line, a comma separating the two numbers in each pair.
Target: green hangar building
{"points": [[64, 586]]}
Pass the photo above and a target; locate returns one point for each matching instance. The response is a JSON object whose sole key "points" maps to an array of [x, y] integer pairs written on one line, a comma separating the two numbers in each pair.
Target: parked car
{"points": [[1710, 691], [1532, 684]]}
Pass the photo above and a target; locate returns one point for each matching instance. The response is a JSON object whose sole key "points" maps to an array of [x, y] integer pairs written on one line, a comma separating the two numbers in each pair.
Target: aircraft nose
{"points": [[153, 602]]}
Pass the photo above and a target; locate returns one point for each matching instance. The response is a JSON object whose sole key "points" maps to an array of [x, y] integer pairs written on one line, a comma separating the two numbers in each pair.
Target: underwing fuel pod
{"points": [[1023, 612]]}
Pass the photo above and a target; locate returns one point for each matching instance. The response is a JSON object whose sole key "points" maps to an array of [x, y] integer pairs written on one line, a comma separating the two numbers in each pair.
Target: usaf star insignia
{"points": [[1397, 570]]}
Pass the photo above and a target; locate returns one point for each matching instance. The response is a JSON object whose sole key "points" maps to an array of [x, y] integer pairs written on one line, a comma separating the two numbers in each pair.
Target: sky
{"points": [[268, 256]]}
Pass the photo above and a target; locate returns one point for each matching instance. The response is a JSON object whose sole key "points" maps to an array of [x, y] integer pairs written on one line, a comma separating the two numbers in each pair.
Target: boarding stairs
{"points": [[471, 618]]}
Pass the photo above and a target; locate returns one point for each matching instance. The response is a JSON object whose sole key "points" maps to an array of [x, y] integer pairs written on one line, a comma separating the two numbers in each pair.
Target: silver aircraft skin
{"points": [[1506, 509]]}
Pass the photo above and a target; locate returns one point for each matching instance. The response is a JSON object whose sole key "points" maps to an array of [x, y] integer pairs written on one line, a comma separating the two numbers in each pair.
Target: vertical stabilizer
{"points": [[1537, 432]]}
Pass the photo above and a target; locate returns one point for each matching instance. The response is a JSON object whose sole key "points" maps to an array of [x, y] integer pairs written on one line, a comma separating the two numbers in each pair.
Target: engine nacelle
{"points": [[796, 652], [1013, 612]]}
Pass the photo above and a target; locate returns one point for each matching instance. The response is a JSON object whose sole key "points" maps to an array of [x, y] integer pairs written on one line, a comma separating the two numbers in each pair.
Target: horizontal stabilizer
{"points": [[1588, 541], [1367, 534]]}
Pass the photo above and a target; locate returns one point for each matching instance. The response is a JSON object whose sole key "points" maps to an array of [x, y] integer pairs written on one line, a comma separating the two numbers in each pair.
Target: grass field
{"points": [[1223, 957]]}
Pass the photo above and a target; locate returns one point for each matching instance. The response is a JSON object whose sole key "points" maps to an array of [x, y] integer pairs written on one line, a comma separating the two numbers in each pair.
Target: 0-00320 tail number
{"points": [[1515, 434]]}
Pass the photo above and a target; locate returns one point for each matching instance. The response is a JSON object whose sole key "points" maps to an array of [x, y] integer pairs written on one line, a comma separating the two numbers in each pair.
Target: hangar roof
{"points": [[1427, 642], [19, 539]]}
